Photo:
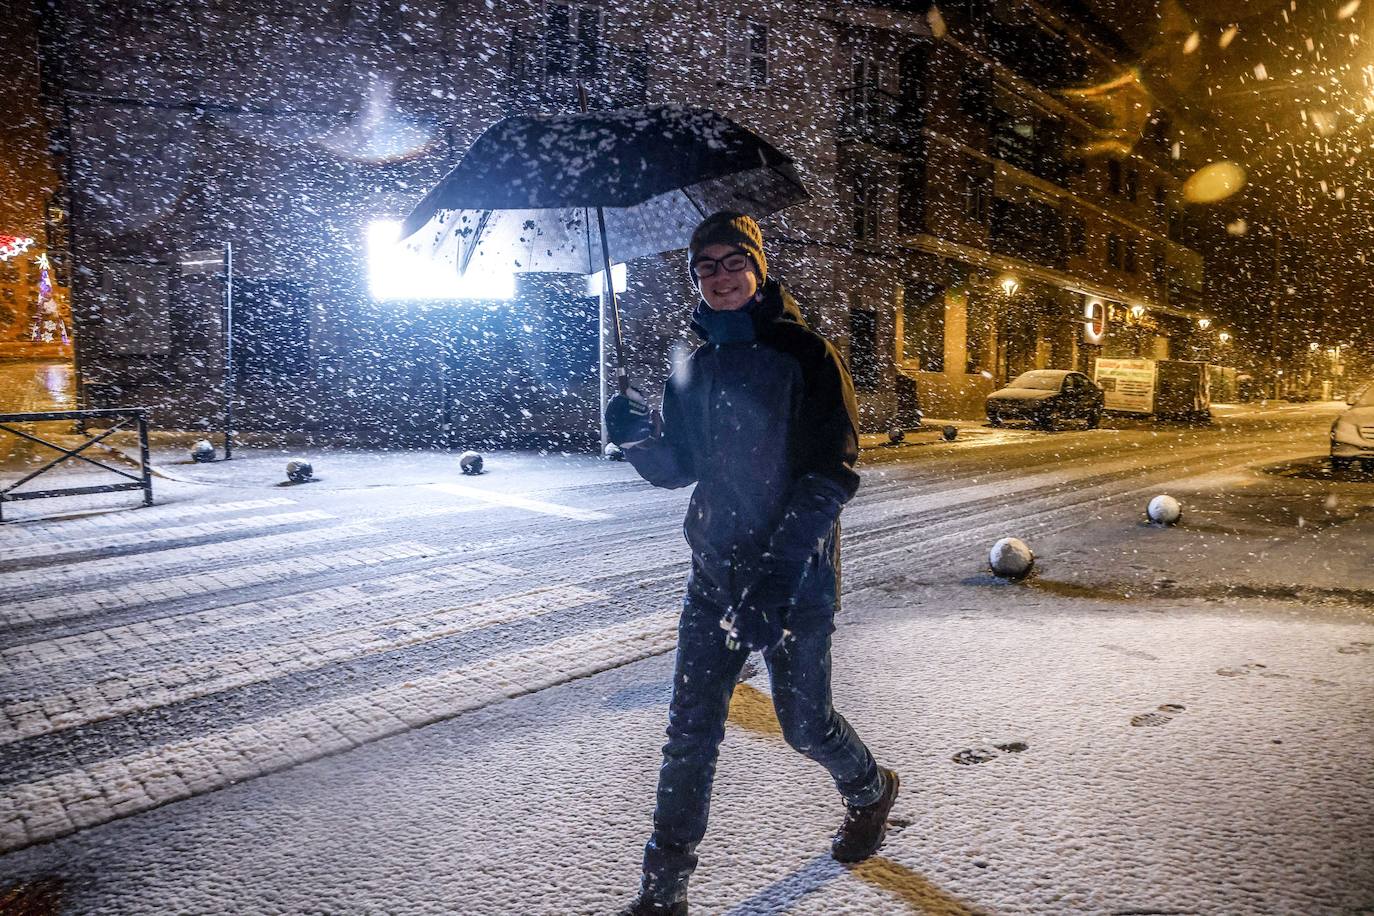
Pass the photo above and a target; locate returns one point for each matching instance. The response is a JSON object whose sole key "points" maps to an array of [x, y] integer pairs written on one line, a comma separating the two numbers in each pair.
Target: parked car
{"points": [[1352, 435], [1045, 396]]}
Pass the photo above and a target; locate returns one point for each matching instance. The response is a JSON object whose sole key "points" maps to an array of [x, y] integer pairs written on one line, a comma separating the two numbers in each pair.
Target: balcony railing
{"points": [[872, 116], [1030, 232], [1034, 146]]}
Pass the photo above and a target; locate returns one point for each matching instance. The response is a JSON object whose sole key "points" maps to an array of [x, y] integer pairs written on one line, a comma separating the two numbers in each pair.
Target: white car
{"points": [[1352, 435]]}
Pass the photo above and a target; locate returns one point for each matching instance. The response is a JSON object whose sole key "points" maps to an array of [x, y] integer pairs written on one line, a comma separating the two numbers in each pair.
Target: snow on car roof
{"points": [[1039, 378]]}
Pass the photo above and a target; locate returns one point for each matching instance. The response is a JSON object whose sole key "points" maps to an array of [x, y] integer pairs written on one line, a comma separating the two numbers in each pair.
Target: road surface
{"points": [[397, 689]]}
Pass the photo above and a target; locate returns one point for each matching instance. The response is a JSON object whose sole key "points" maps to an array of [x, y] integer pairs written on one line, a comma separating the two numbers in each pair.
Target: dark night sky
{"points": [[1289, 94], [1293, 115]]}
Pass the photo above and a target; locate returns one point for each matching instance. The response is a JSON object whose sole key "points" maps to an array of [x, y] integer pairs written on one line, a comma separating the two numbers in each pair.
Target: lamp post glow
{"points": [[394, 271]]}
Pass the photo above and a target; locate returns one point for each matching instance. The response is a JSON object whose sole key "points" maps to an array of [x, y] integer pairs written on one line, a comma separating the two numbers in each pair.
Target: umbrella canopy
{"points": [[525, 195]]}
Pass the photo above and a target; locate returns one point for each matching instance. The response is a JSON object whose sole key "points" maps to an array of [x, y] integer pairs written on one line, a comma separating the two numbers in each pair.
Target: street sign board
{"points": [[210, 261], [1128, 384]]}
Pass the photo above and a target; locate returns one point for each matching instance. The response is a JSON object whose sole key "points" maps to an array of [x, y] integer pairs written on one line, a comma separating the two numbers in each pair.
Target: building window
{"points": [[1161, 197], [272, 328], [1132, 186], [134, 309], [1114, 181], [1131, 265], [1159, 267], [572, 40], [1078, 235], [975, 197], [865, 207], [389, 20], [975, 94], [923, 326], [753, 53], [518, 59], [1114, 251], [867, 78], [863, 348], [911, 200]]}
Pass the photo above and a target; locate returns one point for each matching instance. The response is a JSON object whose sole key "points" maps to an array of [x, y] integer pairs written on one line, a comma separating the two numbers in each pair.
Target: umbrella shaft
{"points": [[621, 378]]}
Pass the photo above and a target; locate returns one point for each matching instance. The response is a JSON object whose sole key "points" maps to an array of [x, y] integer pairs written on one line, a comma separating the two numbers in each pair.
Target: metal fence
{"points": [[121, 418]]}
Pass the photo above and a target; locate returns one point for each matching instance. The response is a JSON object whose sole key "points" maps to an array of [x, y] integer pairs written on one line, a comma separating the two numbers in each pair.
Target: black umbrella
{"points": [[562, 192]]}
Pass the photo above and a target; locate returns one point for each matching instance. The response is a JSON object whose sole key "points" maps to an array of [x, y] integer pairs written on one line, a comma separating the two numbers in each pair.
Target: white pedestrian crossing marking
{"points": [[51, 654], [177, 683], [52, 530], [53, 806], [109, 598], [153, 535], [520, 502], [77, 573]]}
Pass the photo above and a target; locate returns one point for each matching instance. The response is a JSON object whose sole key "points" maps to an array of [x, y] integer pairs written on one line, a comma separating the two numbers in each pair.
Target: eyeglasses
{"points": [[733, 263]]}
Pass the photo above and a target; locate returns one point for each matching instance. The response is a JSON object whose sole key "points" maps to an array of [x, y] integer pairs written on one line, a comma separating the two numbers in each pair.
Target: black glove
{"points": [[628, 418], [754, 625]]}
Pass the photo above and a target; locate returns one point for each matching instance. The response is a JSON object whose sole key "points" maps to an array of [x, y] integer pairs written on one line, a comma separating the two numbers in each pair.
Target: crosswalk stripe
{"points": [[53, 653], [520, 502], [74, 573], [177, 683], [56, 805], [153, 535], [52, 530], [54, 608]]}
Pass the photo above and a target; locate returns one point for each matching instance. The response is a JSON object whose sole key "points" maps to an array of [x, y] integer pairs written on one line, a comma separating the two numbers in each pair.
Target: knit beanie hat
{"points": [[730, 228]]}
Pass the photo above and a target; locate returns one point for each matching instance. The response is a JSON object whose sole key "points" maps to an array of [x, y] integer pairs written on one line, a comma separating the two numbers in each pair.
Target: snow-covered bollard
{"points": [[896, 435], [1010, 558], [1164, 510], [203, 451], [299, 471], [613, 452], [470, 462], [950, 433]]}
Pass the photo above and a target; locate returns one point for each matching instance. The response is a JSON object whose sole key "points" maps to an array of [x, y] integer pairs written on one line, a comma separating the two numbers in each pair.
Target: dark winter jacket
{"points": [[762, 418]]}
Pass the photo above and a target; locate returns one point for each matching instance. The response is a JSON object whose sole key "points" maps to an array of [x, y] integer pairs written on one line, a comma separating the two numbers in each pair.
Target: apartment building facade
{"points": [[983, 182], [35, 320], [1040, 222]]}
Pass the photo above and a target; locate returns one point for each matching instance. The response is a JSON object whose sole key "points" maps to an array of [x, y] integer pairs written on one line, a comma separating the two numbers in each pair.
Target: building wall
{"points": [[262, 131], [29, 181]]}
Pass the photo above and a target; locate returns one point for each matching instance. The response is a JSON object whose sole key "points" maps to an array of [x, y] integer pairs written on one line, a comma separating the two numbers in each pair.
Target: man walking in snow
{"points": [[762, 419]]}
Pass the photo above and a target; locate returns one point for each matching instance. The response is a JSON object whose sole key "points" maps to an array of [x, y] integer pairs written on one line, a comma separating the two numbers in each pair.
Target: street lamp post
{"points": [[1010, 285], [228, 350]]}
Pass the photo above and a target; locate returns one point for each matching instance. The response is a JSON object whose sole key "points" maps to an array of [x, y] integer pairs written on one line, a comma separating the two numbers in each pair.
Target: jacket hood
{"points": [[777, 305]]}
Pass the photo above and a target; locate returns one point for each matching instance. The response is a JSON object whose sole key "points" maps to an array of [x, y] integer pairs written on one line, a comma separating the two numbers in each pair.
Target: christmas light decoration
{"points": [[47, 320], [13, 245]]}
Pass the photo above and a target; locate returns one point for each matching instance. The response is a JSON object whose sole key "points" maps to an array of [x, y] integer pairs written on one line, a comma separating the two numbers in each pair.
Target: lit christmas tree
{"points": [[47, 320]]}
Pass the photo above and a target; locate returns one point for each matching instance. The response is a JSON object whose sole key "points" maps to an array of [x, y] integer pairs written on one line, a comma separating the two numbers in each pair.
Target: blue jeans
{"points": [[703, 681]]}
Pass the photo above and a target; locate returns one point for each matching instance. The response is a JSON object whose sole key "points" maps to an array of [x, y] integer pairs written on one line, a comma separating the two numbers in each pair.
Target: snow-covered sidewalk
{"points": [[1057, 757]]}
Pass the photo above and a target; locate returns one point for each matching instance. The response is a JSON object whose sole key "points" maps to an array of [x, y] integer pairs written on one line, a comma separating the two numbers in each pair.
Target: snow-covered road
{"points": [[1194, 702]]}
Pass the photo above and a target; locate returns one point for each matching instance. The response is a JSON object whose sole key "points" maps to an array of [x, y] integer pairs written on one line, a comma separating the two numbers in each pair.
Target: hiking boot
{"points": [[864, 828], [647, 906]]}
